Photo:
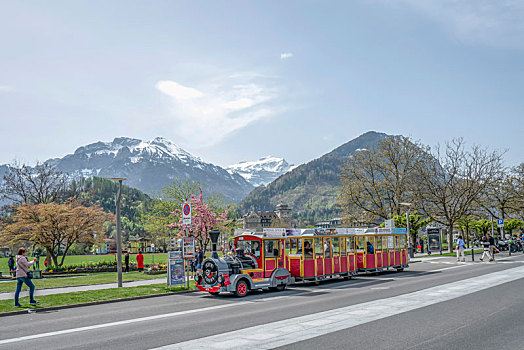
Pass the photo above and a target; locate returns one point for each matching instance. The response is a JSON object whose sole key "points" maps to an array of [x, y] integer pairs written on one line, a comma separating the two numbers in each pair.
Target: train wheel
{"points": [[241, 288]]}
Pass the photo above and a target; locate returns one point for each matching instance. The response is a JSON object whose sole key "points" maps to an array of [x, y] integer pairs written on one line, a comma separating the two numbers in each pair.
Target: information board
{"points": [[434, 243], [188, 247], [175, 269]]}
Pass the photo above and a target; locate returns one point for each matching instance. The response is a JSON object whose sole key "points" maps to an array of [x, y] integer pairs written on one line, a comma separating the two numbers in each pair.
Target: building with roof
{"points": [[259, 220]]}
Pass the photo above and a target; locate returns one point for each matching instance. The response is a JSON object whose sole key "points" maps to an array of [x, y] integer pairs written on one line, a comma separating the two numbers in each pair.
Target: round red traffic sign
{"points": [[187, 209]]}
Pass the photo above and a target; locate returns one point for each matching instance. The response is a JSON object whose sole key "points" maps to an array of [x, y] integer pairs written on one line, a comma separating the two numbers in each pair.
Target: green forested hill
{"points": [[310, 189]]}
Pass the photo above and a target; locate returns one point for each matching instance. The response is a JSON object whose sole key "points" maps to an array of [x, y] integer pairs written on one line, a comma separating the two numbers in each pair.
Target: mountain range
{"points": [[262, 171], [150, 165], [310, 189]]}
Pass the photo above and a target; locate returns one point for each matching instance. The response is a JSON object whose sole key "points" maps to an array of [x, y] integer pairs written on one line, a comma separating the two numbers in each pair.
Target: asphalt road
{"points": [[482, 315]]}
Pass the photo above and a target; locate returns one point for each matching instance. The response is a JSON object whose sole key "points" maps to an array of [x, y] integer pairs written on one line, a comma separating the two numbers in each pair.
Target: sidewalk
{"points": [[61, 290]]}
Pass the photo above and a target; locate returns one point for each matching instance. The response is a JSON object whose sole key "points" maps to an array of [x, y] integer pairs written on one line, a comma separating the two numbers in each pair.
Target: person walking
{"points": [[140, 261], [421, 243], [11, 264], [126, 261], [485, 244], [460, 248], [491, 241], [22, 277], [200, 260]]}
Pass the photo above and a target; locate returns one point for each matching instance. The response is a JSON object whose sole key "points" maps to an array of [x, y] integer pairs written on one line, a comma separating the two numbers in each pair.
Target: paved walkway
{"points": [[49, 291]]}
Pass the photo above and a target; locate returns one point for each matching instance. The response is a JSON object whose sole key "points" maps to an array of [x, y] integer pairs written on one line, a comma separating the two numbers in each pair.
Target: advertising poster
{"points": [[175, 267], [433, 239]]}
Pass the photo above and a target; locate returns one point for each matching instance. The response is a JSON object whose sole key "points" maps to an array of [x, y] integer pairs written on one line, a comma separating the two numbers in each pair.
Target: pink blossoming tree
{"points": [[203, 220]]}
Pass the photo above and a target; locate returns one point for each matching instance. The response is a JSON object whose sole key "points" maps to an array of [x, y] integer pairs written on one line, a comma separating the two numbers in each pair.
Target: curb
{"points": [[61, 307]]}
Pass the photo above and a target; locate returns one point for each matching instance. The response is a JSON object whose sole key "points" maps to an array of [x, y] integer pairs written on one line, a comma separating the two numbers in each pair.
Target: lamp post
{"points": [[118, 229], [412, 254]]}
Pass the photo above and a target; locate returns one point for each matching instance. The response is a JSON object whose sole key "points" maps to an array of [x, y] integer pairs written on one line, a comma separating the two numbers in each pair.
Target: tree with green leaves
{"points": [[482, 226], [512, 225], [159, 214], [416, 222], [466, 224]]}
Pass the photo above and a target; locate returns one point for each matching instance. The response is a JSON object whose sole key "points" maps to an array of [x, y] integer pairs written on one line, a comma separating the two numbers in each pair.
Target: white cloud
{"points": [[219, 107], [487, 22], [178, 91], [286, 55], [5, 88]]}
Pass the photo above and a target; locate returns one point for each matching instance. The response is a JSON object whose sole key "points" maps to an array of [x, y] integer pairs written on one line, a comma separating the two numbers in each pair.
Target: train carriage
{"points": [[276, 258]]}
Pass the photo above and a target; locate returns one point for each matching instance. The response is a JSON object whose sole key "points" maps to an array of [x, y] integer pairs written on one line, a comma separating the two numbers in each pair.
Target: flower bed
{"points": [[102, 266], [156, 269]]}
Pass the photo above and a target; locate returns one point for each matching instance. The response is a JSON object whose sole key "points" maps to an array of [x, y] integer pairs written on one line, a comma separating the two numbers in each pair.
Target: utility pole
{"points": [[118, 229]]}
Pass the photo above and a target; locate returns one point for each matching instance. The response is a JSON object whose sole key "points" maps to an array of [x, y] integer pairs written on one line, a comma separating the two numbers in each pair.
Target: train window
{"points": [[360, 244], [336, 246], [378, 246], [318, 247], [402, 242], [370, 245], [298, 246], [391, 246], [343, 246], [250, 247], [327, 248], [350, 244], [308, 249], [271, 248], [397, 244]]}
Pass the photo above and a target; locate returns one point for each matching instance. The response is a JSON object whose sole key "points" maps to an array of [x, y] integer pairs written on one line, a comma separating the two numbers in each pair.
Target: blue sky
{"points": [[237, 80]]}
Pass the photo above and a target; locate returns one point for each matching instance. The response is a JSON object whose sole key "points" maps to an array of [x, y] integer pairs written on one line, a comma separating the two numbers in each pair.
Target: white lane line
{"points": [[119, 323], [447, 268], [276, 334]]}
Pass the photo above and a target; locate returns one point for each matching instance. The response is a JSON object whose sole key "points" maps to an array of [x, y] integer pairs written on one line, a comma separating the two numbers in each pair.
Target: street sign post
{"points": [[500, 222], [186, 214]]}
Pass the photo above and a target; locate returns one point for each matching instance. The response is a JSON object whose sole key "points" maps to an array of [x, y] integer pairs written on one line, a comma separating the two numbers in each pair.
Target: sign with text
{"points": [[175, 269], [188, 247], [390, 223], [186, 214]]}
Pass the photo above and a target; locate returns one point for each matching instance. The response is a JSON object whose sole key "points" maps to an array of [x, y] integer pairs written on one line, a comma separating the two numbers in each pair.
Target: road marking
{"points": [[276, 334], [447, 268], [119, 323]]}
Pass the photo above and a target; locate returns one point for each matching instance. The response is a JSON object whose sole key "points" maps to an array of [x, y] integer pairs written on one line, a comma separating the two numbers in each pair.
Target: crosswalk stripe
{"points": [[275, 334]]}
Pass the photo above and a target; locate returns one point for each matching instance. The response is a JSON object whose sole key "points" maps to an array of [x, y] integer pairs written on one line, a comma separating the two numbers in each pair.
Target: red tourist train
{"points": [[276, 258]]}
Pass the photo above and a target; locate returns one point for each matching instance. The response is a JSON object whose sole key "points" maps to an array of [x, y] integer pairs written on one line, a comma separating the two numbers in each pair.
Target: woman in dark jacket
{"points": [[22, 268]]}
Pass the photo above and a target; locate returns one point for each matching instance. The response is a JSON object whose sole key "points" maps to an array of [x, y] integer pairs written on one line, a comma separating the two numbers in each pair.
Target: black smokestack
{"points": [[214, 239]]}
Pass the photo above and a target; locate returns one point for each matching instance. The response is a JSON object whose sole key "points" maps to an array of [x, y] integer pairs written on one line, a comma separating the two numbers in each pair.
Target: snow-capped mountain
{"points": [[262, 171], [150, 165]]}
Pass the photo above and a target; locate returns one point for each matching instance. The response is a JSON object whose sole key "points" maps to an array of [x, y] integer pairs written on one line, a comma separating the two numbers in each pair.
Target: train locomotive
{"points": [[238, 273], [279, 257]]}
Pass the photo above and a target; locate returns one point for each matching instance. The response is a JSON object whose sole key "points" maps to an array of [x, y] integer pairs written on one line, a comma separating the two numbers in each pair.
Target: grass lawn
{"points": [[88, 296], [81, 279], [83, 259]]}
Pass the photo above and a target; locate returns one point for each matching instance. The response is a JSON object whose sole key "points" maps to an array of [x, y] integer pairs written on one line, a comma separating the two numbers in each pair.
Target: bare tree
{"points": [[449, 182], [503, 197], [39, 184], [374, 182]]}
